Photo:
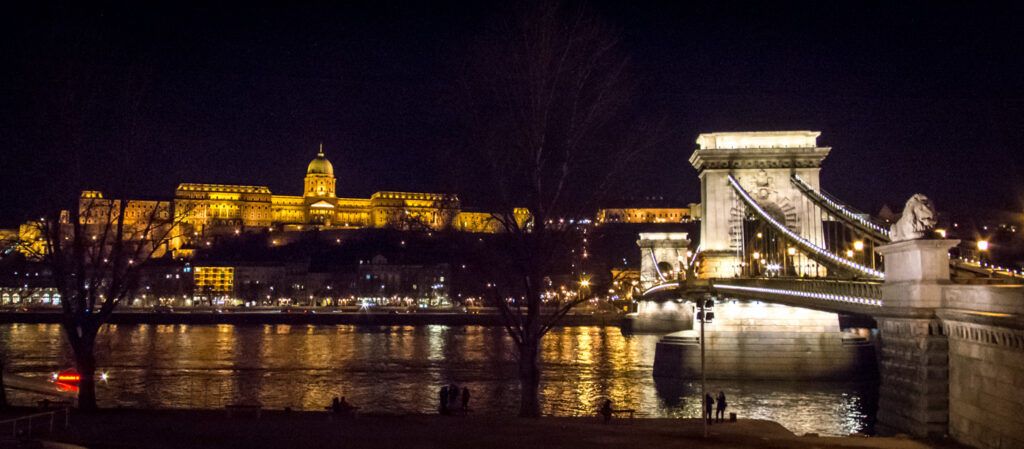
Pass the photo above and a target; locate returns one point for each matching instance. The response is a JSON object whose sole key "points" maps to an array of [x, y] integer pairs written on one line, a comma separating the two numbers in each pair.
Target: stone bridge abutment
{"points": [[952, 356]]}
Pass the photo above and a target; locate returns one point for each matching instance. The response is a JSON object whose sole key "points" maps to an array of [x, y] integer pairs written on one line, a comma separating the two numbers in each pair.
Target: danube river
{"points": [[399, 369]]}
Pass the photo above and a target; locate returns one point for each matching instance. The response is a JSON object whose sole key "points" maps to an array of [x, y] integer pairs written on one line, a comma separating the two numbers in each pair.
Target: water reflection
{"points": [[400, 368]]}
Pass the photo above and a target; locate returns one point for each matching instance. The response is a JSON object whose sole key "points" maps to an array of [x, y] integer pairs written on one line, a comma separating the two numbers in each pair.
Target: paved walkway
{"points": [[124, 429]]}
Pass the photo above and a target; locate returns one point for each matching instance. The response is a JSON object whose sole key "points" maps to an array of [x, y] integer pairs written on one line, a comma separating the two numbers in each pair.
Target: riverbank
{"points": [[125, 429], [307, 316]]}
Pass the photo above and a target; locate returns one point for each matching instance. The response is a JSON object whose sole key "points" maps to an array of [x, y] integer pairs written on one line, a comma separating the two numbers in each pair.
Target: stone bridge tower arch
{"points": [[762, 162]]}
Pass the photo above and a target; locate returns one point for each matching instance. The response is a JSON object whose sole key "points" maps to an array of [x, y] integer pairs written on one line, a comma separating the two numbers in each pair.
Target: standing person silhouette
{"points": [[465, 400], [720, 407], [606, 410], [708, 402]]}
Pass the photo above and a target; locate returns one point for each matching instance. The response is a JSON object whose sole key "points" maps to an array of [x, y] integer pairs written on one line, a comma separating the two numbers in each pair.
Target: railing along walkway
{"points": [[833, 295], [27, 423]]}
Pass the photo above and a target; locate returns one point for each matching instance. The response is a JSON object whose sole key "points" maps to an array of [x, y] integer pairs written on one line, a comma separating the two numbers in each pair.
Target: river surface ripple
{"points": [[399, 369]]}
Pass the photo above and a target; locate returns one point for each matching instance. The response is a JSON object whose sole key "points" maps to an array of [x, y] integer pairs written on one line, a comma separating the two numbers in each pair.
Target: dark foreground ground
{"points": [[276, 429]]}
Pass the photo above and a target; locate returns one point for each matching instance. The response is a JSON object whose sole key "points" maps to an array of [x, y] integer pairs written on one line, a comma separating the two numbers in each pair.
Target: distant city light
{"points": [[983, 245]]}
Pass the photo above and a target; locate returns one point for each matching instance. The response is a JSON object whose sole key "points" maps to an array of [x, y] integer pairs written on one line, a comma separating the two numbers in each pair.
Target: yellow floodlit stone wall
{"points": [[644, 215], [486, 222], [144, 221], [206, 205], [30, 240]]}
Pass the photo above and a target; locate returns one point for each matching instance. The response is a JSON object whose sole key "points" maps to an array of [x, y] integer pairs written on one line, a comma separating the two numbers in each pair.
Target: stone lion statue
{"points": [[918, 220]]}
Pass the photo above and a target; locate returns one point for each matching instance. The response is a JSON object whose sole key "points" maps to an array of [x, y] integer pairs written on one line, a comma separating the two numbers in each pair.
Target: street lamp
{"points": [[982, 245], [858, 245]]}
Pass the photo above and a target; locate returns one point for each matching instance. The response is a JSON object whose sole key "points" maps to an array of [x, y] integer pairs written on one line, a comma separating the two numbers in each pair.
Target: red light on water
{"points": [[68, 378], [67, 387]]}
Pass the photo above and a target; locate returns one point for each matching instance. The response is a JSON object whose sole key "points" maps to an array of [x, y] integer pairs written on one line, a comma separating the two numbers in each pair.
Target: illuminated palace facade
{"points": [[210, 209]]}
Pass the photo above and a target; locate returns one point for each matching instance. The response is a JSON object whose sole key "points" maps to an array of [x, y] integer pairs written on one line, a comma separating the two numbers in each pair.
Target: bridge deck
{"points": [[860, 297], [827, 295]]}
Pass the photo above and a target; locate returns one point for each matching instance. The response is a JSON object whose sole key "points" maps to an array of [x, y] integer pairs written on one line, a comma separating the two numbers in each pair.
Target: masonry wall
{"points": [[986, 384], [914, 389]]}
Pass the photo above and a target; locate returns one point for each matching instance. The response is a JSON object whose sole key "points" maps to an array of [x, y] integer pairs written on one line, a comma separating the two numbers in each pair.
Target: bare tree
{"points": [[95, 252], [553, 136]]}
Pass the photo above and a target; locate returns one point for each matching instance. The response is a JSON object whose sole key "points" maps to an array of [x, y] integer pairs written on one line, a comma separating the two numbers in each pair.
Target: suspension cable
{"points": [[805, 244], [840, 211]]}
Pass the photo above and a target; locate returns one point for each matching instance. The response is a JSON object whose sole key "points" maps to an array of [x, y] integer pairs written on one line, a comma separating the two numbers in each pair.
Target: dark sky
{"points": [[911, 97]]}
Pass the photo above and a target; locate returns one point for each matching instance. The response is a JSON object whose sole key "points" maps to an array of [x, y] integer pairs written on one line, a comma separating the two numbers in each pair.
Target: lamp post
{"points": [[584, 285], [791, 259], [858, 246], [698, 289]]}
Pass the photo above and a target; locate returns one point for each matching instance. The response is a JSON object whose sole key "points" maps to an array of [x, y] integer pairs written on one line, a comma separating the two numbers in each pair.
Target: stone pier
{"points": [[952, 356], [914, 368]]}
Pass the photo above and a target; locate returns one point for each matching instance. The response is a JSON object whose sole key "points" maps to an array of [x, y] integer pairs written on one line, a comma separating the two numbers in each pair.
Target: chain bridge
{"points": [[801, 285]]}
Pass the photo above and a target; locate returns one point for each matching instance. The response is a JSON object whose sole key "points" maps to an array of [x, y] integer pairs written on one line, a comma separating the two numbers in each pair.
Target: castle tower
{"points": [[320, 177]]}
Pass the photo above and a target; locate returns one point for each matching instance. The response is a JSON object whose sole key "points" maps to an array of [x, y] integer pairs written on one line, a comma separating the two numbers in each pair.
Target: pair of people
{"points": [[449, 397], [341, 406], [719, 414]]}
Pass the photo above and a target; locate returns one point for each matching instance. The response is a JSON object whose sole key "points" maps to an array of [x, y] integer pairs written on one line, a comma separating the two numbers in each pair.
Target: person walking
{"points": [[708, 402], [465, 400], [720, 407]]}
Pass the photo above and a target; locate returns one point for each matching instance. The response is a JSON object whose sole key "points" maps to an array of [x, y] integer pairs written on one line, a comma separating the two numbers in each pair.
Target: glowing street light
{"points": [[983, 245], [756, 255], [585, 283], [858, 245], [791, 250]]}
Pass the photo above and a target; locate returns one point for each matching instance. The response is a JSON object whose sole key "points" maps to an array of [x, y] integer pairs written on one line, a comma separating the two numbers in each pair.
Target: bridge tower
{"points": [[762, 162], [662, 255]]}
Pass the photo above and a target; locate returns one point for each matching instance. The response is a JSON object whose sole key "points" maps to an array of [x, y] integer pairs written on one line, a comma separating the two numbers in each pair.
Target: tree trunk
{"points": [[529, 378], [85, 363], [82, 337]]}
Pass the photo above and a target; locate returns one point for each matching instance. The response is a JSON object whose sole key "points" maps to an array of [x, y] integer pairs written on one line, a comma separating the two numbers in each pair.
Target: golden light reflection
{"points": [[399, 369]]}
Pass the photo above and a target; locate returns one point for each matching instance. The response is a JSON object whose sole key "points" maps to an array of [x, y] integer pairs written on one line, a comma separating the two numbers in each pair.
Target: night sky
{"points": [[911, 97]]}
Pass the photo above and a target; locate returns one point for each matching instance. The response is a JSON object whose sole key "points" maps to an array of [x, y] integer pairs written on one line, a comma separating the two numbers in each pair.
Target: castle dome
{"points": [[320, 166]]}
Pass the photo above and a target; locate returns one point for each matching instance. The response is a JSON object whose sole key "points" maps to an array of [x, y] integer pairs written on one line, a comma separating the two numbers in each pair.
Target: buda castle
{"points": [[202, 210], [219, 208]]}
